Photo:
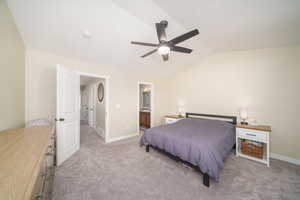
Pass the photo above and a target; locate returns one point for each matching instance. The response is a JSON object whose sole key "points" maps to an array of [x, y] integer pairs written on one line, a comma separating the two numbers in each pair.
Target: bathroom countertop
{"points": [[147, 111]]}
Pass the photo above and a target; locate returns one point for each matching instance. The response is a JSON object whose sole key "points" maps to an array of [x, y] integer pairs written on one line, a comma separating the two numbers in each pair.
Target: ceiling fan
{"points": [[164, 47]]}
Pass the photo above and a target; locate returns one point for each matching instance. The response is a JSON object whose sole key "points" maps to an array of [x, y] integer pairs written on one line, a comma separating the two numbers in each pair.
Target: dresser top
{"points": [[21, 153], [174, 116], [255, 127]]}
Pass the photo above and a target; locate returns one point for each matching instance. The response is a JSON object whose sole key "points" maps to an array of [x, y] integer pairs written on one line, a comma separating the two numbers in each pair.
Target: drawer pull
{"points": [[39, 196], [49, 154], [43, 174], [51, 168], [251, 134]]}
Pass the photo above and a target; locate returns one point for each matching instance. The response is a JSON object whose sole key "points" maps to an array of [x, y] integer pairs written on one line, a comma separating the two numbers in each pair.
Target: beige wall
{"points": [[266, 81], [41, 90], [12, 72]]}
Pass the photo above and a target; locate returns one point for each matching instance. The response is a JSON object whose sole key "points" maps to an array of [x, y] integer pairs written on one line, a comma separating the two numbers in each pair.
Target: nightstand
{"points": [[257, 135], [170, 119]]}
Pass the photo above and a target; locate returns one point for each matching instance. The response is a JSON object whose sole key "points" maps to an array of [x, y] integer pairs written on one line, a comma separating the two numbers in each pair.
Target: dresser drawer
{"points": [[37, 192], [260, 136], [50, 155], [43, 184]]}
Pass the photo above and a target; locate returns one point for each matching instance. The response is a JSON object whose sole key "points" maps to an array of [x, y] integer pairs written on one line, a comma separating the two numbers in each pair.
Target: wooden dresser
{"points": [[27, 163]]}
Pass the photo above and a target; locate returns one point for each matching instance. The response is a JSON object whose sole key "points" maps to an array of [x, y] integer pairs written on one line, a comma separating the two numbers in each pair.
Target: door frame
{"points": [[151, 101], [106, 99], [92, 101]]}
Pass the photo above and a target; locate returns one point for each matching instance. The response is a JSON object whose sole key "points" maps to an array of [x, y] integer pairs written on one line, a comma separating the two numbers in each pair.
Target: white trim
{"points": [[106, 96], [122, 137], [100, 132], [138, 104], [92, 75], [285, 158]]}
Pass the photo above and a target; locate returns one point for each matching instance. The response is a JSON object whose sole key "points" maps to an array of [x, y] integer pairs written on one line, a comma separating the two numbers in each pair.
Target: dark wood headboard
{"points": [[230, 119]]}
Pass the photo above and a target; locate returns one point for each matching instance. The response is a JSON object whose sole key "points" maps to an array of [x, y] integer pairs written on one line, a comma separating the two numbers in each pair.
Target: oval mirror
{"points": [[100, 92]]}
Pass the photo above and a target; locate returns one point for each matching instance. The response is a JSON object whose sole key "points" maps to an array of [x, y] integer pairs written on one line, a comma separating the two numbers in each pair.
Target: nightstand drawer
{"points": [[260, 136]]}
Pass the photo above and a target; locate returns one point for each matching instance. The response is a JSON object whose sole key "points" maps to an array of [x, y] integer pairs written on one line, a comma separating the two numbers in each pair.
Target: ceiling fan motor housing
{"points": [[164, 43], [165, 23]]}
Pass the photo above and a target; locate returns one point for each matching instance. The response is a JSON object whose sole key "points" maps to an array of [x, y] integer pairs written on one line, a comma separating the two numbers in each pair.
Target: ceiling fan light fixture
{"points": [[164, 47], [163, 50]]}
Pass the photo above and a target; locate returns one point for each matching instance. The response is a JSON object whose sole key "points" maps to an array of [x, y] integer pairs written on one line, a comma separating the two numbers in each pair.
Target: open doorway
{"points": [[145, 105], [93, 105], [77, 98]]}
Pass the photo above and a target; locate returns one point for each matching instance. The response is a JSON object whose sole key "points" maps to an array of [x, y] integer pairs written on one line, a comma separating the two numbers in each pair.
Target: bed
{"points": [[202, 141]]}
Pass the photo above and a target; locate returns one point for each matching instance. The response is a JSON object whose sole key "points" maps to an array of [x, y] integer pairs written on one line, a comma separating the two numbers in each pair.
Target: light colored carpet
{"points": [[124, 171]]}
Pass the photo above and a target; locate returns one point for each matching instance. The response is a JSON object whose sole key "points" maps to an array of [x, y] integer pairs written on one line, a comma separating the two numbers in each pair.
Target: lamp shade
{"points": [[243, 113]]}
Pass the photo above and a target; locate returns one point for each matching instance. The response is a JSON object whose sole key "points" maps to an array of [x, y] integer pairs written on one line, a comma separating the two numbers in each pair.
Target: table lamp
{"points": [[244, 116]]}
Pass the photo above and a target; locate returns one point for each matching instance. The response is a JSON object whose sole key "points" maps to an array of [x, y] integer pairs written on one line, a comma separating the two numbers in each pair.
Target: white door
{"points": [[84, 106], [67, 114], [92, 106]]}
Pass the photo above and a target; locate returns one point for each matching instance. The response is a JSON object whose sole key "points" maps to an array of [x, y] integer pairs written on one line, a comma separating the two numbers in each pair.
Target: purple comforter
{"points": [[202, 142]]}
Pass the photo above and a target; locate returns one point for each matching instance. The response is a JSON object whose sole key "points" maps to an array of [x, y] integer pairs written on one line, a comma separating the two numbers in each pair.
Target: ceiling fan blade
{"points": [[149, 53], [161, 33], [165, 57], [145, 44], [181, 49], [184, 37]]}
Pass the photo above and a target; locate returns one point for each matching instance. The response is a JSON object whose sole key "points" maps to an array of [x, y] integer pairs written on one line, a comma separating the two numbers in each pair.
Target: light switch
{"points": [[118, 106]]}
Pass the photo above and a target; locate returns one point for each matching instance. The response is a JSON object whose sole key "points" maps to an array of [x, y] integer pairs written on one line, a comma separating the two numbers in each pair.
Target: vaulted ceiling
{"points": [[56, 26]]}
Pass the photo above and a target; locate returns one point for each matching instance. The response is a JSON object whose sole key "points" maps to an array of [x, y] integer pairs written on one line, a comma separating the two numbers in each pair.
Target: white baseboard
{"points": [[100, 132], [122, 137], [285, 158]]}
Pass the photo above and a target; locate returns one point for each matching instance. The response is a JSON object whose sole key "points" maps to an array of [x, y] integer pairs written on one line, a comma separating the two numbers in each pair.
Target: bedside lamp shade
{"points": [[181, 107], [243, 115]]}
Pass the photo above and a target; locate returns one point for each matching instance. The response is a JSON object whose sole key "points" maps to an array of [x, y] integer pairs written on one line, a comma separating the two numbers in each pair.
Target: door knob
{"points": [[60, 119]]}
